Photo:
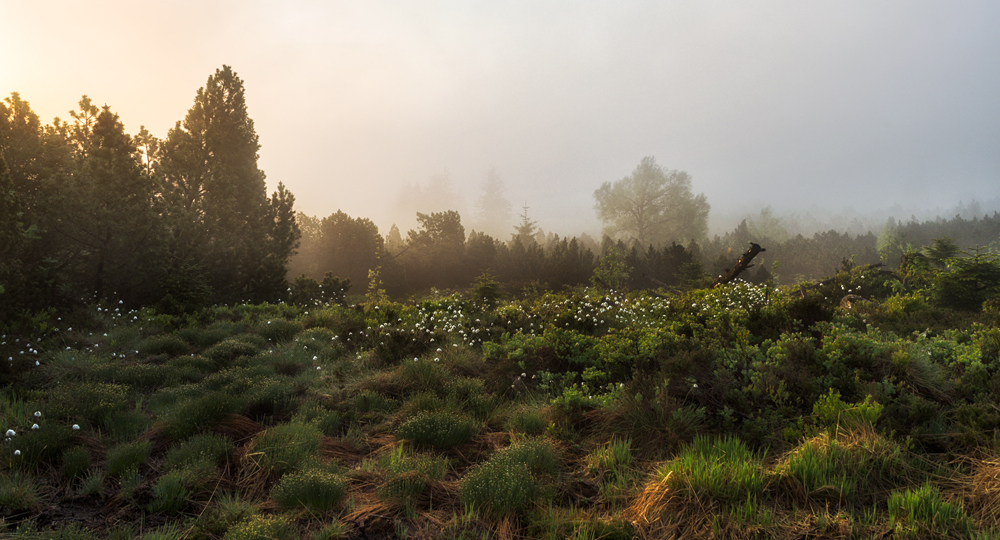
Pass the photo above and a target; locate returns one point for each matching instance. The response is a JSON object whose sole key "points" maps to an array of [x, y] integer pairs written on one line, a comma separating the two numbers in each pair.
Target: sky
{"points": [[820, 106]]}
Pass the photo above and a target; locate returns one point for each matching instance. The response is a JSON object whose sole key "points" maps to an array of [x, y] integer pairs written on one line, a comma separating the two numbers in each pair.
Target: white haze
{"points": [[845, 108]]}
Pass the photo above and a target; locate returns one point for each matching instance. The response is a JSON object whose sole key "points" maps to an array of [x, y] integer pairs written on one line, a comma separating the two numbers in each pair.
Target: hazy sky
{"points": [[857, 104]]}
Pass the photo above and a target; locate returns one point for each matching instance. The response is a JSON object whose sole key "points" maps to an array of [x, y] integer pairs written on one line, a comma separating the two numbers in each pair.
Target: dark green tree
{"points": [[109, 238], [222, 221], [348, 247]]}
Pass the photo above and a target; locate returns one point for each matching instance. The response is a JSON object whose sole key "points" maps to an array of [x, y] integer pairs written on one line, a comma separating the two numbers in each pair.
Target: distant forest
{"points": [[90, 213]]}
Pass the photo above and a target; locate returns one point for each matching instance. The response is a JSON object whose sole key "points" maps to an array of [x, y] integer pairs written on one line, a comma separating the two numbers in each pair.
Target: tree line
{"points": [[91, 212]]}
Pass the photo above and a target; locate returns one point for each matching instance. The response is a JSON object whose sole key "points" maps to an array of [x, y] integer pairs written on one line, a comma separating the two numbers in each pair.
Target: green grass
{"points": [[126, 458], [922, 513], [509, 482], [722, 469], [283, 448], [19, 490], [311, 489], [681, 421], [439, 430]]}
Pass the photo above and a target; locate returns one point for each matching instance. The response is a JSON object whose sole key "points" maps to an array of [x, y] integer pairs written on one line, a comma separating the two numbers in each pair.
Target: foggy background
{"points": [[842, 110]]}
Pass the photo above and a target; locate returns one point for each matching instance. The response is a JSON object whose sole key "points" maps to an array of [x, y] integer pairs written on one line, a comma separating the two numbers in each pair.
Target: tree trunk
{"points": [[740, 266]]}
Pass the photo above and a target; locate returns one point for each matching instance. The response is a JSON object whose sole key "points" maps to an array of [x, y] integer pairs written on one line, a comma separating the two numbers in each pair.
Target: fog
{"points": [[832, 111]]}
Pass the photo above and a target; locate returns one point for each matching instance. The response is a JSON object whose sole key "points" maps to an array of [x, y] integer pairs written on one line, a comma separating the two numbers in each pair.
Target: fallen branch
{"points": [[740, 266]]}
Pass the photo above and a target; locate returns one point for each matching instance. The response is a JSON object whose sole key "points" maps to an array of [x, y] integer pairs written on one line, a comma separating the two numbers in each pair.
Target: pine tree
{"points": [[223, 222]]}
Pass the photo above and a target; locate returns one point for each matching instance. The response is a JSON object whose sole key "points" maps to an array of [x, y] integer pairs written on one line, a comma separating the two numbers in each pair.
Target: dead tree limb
{"points": [[740, 266]]}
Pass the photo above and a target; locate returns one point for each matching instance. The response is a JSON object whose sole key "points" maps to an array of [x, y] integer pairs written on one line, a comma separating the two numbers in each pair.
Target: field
{"points": [[745, 411]]}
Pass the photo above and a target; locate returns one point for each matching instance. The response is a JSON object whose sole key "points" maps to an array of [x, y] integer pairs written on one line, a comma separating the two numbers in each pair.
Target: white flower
{"points": [[76, 426], [34, 426], [17, 452], [695, 385], [11, 433], [38, 414]]}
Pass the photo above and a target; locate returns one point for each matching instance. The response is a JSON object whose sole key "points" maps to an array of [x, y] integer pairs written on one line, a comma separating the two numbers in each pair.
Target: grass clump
{"points": [[203, 448], [76, 462], [170, 494], [263, 527], [439, 430], [408, 477], [508, 483], [851, 466], [278, 330], [325, 420], [922, 513], [527, 421], [127, 457], [169, 344], [202, 412], [312, 489], [283, 448], [91, 483], [18, 491], [87, 402]]}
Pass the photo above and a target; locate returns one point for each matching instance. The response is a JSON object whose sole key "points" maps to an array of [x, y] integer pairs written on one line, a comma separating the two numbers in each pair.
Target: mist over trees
{"points": [[652, 206], [90, 213]]}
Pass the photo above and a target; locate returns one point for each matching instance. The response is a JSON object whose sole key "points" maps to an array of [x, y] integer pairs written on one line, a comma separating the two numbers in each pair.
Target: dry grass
{"points": [[980, 491]]}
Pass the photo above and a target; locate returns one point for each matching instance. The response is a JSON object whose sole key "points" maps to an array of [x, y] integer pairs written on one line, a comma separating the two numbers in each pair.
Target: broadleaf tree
{"points": [[652, 206]]}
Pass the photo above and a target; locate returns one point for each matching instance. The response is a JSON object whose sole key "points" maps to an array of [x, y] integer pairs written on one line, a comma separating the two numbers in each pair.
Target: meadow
{"points": [[855, 408]]}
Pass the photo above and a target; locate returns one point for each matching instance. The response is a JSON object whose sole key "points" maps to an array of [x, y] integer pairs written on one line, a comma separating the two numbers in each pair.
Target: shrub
{"points": [[128, 456], [312, 489], [437, 429]]}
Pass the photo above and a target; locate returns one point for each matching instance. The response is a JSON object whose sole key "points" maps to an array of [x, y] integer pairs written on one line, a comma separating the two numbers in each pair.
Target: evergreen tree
{"points": [[222, 220], [494, 213]]}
